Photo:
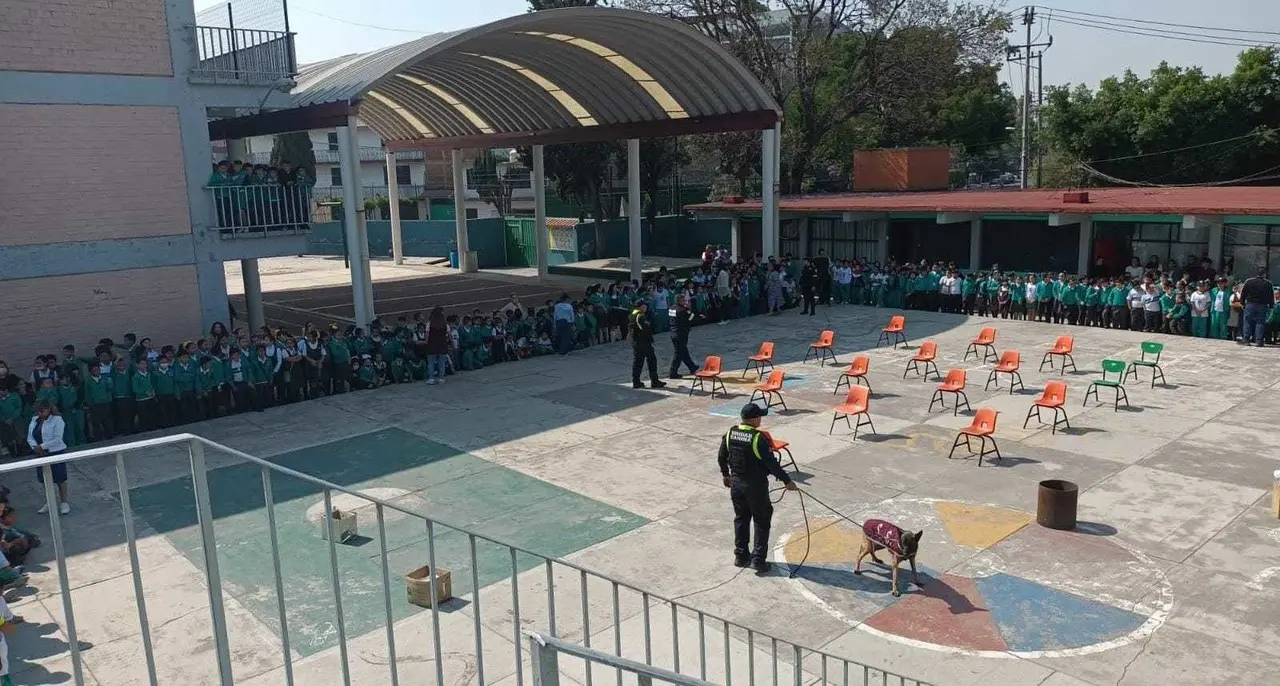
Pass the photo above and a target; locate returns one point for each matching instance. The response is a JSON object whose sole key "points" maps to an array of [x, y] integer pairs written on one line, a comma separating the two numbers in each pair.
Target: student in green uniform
{"points": [[144, 396], [206, 386], [122, 397], [365, 374], [72, 411], [1179, 316], [1093, 304], [263, 368], [166, 390], [1118, 301], [1273, 321], [98, 395], [1068, 302], [184, 380], [47, 392], [1219, 309], [12, 422]]}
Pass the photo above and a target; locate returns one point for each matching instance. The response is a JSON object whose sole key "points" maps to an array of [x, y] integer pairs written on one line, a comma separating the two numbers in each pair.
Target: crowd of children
{"points": [[261, 195], [135, 385]]}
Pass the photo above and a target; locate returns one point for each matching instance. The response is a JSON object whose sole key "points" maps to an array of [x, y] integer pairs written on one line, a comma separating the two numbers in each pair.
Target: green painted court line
{"points": [[440, 481]]}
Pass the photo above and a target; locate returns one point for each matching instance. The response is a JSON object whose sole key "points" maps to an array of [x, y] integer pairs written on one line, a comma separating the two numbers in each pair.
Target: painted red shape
{"points": [[948, 610]]}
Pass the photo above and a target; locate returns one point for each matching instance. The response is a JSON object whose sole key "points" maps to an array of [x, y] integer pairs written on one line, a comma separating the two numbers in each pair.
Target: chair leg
{"points": [[843, 379], [1018, 376], [971, 349], [760, 369], [911, 365], [869, 422], [967, 406], [697, 382], [747, 368], [1092, 389], [1121, 394], [1065, 359], [884, 338], [832, 428], [956, 444], [901, 338], [927, 365], [723, 391], [1035, 409], [990, 354], [806, 355], [752, 399], [937, 398], [1045, 359], [792, 460], [1155, 369], [992, 377]]}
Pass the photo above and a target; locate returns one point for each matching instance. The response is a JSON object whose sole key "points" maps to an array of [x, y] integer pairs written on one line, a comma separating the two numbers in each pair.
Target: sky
{"points": [[1080, 54]]}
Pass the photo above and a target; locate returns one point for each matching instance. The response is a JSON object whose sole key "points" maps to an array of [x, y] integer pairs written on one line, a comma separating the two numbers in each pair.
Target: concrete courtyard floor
{"points": [[1170, 579]]}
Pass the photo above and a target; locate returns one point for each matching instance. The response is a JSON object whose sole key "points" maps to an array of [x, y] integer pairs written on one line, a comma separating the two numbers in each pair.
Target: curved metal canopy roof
{"points": [[554, 76]]}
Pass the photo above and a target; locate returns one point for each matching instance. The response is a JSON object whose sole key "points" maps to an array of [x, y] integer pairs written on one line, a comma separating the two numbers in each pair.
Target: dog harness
{"points": [[883, 534]]}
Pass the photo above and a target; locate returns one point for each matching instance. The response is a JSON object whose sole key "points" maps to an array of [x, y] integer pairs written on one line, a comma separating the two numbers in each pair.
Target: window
{"points": [[1247, 247], [335, 176], [472, 214], [844, 241], [403, 177], [1169, 243], [333, 141]]}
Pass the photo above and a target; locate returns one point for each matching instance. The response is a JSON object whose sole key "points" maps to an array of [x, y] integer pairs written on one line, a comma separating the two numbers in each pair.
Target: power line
{"points": [[1153, 33], [1165, 23], [1189, 147], [375, 27]]}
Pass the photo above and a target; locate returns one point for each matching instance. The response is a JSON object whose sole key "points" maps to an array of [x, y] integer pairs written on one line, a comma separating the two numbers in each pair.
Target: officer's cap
{"points": [[753, 411]]}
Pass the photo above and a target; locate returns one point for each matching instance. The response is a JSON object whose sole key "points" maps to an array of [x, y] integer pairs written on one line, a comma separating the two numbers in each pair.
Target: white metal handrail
{"points": [[196, 446], [544, 652]]}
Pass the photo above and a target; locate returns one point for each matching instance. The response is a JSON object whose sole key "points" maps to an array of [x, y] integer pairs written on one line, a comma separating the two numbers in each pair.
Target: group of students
{"points": [[261, 195]]}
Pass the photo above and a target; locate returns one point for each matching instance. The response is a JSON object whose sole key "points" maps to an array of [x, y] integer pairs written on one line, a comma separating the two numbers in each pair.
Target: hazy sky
{"points": [[328, 28]]}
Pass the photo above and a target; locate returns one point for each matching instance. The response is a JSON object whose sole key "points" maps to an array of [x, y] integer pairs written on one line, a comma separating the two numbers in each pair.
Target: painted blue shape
{"points": [[1032, 616], [733, 407]]}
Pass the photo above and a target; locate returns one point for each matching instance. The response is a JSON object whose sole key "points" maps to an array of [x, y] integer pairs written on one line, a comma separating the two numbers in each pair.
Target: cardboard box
{"points": [[341, 524], [417, 585]]}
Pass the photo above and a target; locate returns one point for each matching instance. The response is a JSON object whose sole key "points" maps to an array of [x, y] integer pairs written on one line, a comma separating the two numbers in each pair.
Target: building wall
{"points": [[84, 36], [163, 303], [71, 187]]}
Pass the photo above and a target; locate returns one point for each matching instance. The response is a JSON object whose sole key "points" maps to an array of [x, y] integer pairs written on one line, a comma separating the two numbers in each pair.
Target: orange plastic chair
{"points": [[1061, 349], [1054, 398], [986, 340], [983, 428], [771, 390], [821, 349], [856, 371], [710, 370], [855, 404], [926, 355], [895, 332], [953, 384], [1009, 363], [783, 447], [759, 360]]}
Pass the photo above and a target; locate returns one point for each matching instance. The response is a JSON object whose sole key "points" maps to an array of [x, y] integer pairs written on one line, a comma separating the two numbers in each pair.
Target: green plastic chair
{"points": [[1150, 358], [1110, 367]]}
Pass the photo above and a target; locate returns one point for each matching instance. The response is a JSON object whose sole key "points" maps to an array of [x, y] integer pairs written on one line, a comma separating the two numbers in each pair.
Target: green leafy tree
{"points": [[1175, 126], [492, 187], [294, 148]]}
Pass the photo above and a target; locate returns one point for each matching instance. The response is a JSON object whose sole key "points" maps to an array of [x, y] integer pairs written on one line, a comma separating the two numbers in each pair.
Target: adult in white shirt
{"points": [[44, 435], [564, 321], [1136, 317], [1199, 302], [1135, 271], [1151, 309]]}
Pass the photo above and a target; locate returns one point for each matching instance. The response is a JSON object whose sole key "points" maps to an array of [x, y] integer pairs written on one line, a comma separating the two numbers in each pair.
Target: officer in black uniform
{"points": [[681, 318], [809, 287], [642, 343], [746, 461]]}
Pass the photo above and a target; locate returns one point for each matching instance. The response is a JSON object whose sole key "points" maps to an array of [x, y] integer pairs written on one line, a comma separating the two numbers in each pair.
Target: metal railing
{"points": [[668, 637], [244, 56], [545, 652], [260, 210]]}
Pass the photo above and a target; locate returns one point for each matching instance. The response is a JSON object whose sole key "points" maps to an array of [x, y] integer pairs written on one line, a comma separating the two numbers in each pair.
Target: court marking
{"points": [[1157, 612]]}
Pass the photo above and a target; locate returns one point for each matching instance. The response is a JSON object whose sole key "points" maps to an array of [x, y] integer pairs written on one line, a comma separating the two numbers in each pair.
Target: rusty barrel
{"points": [[1056, 504]]}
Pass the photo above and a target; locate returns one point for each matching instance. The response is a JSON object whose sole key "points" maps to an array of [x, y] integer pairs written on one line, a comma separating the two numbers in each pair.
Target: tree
{"points": [[659, 159], [294, 148], [489, 184], [1176, 126], [579, 174], [830, 63]]}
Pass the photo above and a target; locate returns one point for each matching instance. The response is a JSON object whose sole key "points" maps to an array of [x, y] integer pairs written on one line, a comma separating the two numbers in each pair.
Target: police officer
{"points": [[809, 282], [746, 461], [681, 320], [642, 344]]}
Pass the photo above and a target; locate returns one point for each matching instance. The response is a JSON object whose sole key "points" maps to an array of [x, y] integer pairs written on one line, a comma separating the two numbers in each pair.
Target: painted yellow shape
{"points": [[829, 544], [980, 526]]}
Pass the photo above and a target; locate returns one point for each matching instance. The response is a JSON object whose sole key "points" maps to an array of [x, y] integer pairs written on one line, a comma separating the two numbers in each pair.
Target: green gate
{"points": [[522, 246]]}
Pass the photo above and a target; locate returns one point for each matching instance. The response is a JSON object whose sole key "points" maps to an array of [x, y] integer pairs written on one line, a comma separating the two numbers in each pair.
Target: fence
{"points": [[262, 209], [230, 55], [666, 633]]}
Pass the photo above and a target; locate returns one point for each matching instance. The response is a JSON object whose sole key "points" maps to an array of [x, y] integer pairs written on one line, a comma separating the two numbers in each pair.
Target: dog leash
{"points": [[808, 537]]}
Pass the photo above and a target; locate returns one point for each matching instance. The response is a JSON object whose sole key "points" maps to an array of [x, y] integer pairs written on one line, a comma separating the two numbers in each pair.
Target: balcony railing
{"points": [[243, 56], [268, 209]]}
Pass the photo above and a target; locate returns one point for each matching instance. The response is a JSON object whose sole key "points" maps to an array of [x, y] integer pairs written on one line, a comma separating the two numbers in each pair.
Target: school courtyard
{"points": [[1170, 578]]}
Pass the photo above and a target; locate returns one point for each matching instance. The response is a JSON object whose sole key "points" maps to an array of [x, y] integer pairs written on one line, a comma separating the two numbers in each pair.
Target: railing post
{"points": [[126, 510], [213, 578], [544, 663], [60, 554]]}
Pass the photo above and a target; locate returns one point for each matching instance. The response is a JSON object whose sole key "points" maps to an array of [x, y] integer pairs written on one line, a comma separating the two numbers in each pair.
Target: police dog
{"points": [[902, 545]]}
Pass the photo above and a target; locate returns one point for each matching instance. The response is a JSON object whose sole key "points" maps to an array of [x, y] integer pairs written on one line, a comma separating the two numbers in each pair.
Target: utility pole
{"points": [[1023, 54], [1039, 110]]}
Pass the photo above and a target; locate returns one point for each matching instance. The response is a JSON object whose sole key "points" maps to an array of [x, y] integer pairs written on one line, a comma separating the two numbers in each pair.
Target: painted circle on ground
{"points": [[1011, 587]]}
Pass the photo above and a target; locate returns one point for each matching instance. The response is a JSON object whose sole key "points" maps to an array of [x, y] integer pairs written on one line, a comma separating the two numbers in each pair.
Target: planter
{"points": [[1056, 504], [341, 524], [418, 586]]}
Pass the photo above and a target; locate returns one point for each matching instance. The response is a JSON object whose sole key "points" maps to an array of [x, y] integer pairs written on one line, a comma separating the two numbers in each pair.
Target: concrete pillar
{"points": [[1216, 232], [802, 236], [460, 213], [540, 230], [393, 202], [768, 193], [975, 244], [252, 294], [633, 209], [352, 208], [1086, 247], [735, 236], [882, 240]]}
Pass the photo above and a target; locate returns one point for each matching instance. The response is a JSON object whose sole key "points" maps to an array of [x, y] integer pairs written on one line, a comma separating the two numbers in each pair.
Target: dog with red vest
{"points": [[878, 534]]}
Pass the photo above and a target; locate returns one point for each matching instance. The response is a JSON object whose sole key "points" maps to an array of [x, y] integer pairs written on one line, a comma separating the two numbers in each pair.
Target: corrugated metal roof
{"points": [[536, 72]]}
